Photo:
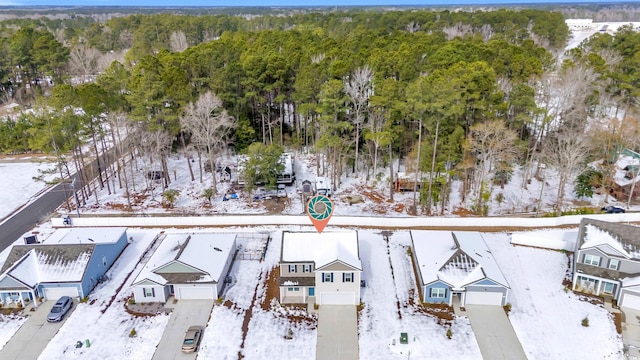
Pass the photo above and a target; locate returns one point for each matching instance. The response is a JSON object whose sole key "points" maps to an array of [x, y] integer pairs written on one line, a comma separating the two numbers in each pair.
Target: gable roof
{"points": [[607, 236], [457, 258], [186, 258], [34, 264], [321, 248]]}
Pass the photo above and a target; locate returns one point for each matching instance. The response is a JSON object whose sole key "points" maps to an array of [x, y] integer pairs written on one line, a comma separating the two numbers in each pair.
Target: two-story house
{"points": [[607, 261], [320, 268]]}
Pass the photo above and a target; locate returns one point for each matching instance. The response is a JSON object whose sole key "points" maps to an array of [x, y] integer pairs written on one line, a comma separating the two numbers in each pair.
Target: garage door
{"points": [[56, 293], [483, 298], [195, 293], [339, 298], [630, 301]]}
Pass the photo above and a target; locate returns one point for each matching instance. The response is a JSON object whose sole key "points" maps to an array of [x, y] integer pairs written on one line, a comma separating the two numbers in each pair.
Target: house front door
{"points": [[171, 292], [312, 291]]}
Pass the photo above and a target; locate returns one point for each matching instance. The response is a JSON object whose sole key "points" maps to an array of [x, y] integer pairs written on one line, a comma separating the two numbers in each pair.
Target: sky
{"points": [[276, 3]]}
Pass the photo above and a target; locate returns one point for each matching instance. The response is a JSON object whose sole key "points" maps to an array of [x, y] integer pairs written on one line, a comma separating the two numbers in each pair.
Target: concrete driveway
{"points": [[337, 333], [631, 332], [34, 335], [494, 333], [185, 313]]}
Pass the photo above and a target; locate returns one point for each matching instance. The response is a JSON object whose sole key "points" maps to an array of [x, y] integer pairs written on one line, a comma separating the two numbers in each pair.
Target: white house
{"points": [[321, 268], [187, 266]]}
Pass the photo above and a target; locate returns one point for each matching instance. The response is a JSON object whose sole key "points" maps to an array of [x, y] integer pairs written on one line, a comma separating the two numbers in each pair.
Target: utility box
{"points": [[404, 338]]}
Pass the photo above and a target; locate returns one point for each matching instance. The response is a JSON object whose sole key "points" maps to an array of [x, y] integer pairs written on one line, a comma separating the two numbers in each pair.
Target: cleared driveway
{"points": [[631, 332], [185, 313], [337, 333], [34, 335], [494, 333]]}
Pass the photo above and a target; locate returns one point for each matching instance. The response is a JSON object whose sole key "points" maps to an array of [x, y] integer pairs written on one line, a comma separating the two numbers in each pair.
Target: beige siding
{"points": [[337, 266], [175, 267], [338, 285], [284, 270]]}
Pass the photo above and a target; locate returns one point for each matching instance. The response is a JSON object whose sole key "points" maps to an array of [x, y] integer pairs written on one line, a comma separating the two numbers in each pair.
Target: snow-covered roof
{"points": [[610, 238], [627, 160], [50, 263], [321, 248], [207, 252], [596, 237], [458, 258], [102, 235], [631, 281]]}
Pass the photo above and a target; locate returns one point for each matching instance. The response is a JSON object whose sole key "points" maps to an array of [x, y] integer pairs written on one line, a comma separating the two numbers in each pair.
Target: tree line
{"points": [[466, 95]]}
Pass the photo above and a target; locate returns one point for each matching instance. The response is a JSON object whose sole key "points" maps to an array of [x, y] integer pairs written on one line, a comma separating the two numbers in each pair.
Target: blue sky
{"points": [[298, 3]]}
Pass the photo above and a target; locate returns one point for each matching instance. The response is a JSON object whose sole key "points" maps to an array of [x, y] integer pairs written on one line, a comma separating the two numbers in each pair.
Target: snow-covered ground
{"points": [[18, 184], [546, 319]]}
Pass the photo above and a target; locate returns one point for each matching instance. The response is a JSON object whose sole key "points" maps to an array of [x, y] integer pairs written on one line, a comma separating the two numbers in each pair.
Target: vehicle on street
{"points": [[60, 309], [192, 339], [613, 209]]}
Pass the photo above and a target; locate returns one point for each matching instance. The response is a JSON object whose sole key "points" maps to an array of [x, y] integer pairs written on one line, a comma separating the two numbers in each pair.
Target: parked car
{"points": [[60, 309], [613, 209], [282, 192], [192, 339]]}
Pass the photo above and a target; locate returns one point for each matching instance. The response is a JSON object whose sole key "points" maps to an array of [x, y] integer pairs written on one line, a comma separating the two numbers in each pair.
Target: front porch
{"points": [[18, 299]]}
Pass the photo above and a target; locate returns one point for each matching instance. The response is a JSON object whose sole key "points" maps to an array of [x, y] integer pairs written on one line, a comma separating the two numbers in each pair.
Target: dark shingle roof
{"points": [[60, 254], [627, 235]]}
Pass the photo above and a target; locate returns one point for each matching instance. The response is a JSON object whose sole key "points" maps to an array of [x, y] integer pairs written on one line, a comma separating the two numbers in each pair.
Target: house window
{"points": [[293, 268], [438, 293], [592, 260], [306, 268], [296, 289], [149, 292], [327, 277], [608, 288], [347, 277], [614, 264]]}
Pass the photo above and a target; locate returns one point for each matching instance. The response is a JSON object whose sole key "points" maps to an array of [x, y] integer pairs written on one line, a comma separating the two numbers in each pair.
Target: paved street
{"points": [[34, 335]]}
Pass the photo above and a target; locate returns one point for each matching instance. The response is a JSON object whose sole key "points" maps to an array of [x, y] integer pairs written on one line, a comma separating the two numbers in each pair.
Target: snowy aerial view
{"points": [[337, 184]]}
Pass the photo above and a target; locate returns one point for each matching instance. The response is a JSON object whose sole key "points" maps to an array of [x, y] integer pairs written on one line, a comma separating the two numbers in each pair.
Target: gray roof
{"points": [[628, 236], [57, 254]]}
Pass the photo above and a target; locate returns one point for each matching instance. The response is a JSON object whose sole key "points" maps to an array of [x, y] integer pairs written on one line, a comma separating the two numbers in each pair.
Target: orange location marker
{"points": [[319, 209]]}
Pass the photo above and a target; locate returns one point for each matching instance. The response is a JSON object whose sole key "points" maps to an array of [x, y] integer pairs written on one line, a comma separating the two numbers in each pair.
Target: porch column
{"points": [[35, 299], [22, 300]]}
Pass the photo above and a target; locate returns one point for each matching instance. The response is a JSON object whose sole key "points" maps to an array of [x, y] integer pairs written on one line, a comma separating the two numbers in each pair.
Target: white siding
{"points": [[158, 293]]}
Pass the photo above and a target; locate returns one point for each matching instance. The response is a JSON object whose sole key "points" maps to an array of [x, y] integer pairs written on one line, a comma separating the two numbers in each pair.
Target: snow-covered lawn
{"points": [[546, 318]]}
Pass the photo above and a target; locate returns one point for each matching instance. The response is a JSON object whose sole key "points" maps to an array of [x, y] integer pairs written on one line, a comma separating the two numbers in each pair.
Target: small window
{"points": [[293, 289], [347, 277], [327, 277], [614, 264], [149, 292], [306, 268], [592, 260], [293, 268], [438, 293]]}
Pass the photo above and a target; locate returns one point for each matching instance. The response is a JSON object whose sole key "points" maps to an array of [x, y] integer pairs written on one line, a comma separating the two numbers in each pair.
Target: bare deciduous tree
{"points": [[492, 143], [83, 60], [210, 127], [178, 41], [359, 88], [565, 150]]}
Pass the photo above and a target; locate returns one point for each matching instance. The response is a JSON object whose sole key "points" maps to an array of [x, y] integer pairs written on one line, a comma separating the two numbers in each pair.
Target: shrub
{"points": [[585, 321], [449, 333], [131, 301], [133, 333], [507, 308]]}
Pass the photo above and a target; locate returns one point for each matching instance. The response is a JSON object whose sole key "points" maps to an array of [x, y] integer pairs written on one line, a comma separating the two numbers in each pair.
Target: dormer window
{"points": [[306, 268], [293, 268], [614, 264], [592, 260]]}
